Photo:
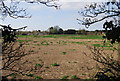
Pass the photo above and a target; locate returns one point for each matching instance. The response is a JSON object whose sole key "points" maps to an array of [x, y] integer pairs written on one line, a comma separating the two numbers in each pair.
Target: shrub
{"points": [[109, 67]]}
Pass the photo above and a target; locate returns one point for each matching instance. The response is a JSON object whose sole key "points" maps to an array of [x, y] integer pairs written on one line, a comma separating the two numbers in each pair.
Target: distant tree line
{"points": [[59, 30]]}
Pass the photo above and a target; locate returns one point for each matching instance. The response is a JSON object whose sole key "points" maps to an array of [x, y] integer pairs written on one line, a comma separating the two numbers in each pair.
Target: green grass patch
{"points": [[65, 36], [55, 64], [30, 75], [44, 43], [100, 45], [87, 37], [113, 49], [72, 49], [46, 67], [74, 77], [64, 53], [83, 74], [35, 41], [38, 77], [37, 44], [24, 40], [49, 36], [13, 75], [38, 65], [23, 36], [78, 42], [31, 51], [64, 77]]}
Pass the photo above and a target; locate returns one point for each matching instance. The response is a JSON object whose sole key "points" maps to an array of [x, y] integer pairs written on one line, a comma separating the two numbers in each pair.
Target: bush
{"points": [[109, 66]]}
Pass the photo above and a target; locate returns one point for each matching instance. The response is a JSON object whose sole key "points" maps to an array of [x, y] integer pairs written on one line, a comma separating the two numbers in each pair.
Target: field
{"points": [[59, 56]]}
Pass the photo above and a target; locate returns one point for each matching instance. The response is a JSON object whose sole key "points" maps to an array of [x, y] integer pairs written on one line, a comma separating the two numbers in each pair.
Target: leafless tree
{"points": [[97, 12], [14, 11], [108, 66], [94, 13], [13, 51]]}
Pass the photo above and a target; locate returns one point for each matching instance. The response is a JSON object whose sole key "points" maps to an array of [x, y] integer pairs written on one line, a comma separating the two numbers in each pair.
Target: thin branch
{"points": [[89, 23]]}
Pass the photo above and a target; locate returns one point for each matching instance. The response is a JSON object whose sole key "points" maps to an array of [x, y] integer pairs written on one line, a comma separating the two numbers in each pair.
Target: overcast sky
{"points": [[44, 17]]}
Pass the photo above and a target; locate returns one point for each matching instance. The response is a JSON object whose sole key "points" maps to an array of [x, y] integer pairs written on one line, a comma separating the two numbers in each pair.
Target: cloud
{"points": [[83, 0], [73, 5], [68, 4], [77, 4]]}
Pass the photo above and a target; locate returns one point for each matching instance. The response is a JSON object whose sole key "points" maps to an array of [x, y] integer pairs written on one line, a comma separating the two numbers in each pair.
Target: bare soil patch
{"points": [[68, 53]]}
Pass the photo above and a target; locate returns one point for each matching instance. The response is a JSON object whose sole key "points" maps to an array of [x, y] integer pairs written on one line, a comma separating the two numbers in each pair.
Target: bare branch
{"points": [[106, 59], [92, 13], [89, 22], [15, 12]]}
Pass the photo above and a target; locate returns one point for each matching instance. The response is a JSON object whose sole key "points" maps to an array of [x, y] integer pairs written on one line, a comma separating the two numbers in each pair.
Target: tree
{"points": [[97, 12], [13, 51], [92, 14], [93, 11], [60, 31], [82, 31], [55, 30], [70, 31], [15, 12]]}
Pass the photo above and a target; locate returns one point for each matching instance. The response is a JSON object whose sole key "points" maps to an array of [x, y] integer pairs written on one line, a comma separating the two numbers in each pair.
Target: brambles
{"points": [[12, 54], [110, 66], [12, 59], [12, 75], [107, 10], [13, 51]]}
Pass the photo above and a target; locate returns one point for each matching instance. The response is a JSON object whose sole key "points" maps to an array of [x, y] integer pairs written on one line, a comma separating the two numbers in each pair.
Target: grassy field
{"points": [[59, 56], [91, 37], [66, 36]]}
